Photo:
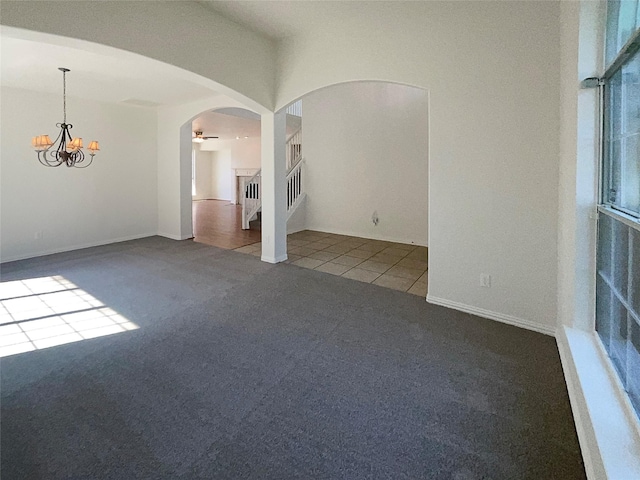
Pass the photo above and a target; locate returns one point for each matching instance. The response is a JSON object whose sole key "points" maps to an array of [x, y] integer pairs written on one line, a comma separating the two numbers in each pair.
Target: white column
{"points": [[186, 215], [174, 177], [274, 172]]}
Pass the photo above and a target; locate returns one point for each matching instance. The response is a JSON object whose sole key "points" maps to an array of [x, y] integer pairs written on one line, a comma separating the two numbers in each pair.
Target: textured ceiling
{"points": [[227, 127], [229, 123], [280, 19]]}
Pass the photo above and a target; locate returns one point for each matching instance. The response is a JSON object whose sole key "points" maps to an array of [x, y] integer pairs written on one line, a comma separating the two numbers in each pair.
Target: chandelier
{"points": [[68, 150]]}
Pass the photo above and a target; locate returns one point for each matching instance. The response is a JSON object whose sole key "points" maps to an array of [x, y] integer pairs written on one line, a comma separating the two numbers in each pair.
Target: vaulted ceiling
{"points": [[278, 19], [33, 65]]}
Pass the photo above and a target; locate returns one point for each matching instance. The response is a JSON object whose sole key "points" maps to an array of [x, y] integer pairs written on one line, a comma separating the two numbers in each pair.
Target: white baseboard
{"points": [[499, 317], [174, 237], [277, 259], [193, 199], [69, 248], [295, 230], [351, 233]]}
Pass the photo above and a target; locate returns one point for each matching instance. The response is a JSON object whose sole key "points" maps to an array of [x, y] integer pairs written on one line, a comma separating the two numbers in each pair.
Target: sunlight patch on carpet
{"points": [[43, 312]]}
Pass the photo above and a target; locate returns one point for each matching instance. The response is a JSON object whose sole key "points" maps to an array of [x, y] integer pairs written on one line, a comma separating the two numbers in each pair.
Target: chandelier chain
{"points": [[64, 95]]}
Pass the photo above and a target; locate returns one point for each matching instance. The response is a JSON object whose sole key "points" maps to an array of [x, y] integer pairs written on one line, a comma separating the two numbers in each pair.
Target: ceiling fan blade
{"points": [[206, 138]]}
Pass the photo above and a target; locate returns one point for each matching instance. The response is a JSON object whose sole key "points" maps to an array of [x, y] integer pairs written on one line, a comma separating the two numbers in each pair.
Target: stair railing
{"points": [[252, 195], [295, 188], [293, 149], [251, 199], [295, 109]]}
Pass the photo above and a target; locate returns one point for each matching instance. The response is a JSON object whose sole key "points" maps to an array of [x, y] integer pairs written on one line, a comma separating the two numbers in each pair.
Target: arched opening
{"points": [[357, 203], [244, 157], [136, 106], [226, 161]]}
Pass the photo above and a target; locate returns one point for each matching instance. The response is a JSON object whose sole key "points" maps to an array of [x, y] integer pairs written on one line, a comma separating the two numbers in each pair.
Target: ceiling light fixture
{"points": [[69, 150], [198, 137]]}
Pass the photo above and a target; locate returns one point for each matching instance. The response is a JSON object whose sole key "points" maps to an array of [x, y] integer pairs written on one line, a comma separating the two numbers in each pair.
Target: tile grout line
{"points": [[316, 237]]}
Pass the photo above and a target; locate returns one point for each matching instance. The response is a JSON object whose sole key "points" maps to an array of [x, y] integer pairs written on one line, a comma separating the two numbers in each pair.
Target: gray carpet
{"points": [[242, 369]]}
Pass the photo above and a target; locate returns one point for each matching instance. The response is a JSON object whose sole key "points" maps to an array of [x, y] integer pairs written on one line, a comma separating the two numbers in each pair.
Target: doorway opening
{"points": [[357, 181], [225, 161]]}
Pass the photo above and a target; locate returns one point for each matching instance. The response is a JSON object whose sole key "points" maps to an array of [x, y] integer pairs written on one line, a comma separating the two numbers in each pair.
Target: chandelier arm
{"points": [[49, 162], [42, 158], [75, 158], [54, 160], [85, 166]]}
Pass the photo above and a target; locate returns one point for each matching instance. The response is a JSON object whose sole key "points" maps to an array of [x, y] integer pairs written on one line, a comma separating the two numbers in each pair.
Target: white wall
{"points": [[492, 71], [245, 152], [365, 147], [230, 155], [111, 200], [204, 175], [214, 176], [582, 43], [223, 177]]}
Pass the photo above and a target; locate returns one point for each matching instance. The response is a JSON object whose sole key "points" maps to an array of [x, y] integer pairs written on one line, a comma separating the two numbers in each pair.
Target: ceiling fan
{"points": [[198, 137]]}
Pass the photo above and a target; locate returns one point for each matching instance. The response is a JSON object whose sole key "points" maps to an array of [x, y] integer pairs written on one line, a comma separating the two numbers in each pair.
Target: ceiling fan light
{"points": [[197, 140]]}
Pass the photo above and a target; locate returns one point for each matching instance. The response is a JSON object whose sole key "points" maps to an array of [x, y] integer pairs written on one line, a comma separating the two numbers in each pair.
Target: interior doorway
{"points": [[225, 153]]}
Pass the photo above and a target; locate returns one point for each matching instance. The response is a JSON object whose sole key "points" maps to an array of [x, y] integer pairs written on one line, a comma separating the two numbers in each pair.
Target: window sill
{"points": [[621, 216], [608, 430]]}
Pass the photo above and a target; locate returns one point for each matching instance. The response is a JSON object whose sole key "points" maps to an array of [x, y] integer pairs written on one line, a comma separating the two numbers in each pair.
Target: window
{"points": [[618, 262]]}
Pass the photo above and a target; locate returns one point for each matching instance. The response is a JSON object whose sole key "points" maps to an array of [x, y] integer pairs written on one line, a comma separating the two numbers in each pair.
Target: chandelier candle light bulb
{"points": [[68, 150]]}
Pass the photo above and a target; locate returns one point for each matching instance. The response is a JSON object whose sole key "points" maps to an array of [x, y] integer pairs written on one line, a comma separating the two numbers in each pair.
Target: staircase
{"points": [[251, 200], [252, 197], [295, 163]]}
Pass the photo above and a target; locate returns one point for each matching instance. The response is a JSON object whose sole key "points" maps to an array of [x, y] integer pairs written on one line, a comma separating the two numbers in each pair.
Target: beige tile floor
{"points": [[392, 265]]}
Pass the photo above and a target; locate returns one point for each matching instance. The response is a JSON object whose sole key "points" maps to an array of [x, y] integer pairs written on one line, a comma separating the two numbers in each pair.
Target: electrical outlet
{"points": [[485, 280], [374, 218]]}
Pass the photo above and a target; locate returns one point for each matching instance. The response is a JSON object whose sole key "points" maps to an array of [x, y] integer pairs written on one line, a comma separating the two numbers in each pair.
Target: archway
{"points": [[167, 172], [175, 141], [366, 174], [226, 160]]}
